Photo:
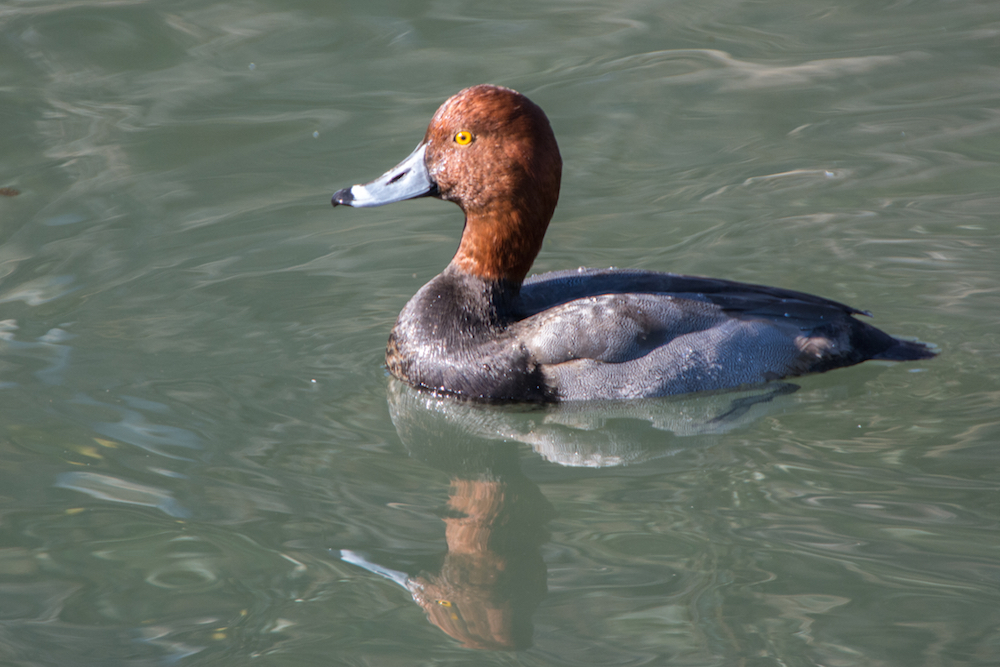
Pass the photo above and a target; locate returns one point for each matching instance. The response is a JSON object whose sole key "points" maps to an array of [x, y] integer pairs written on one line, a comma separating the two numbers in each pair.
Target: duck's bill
{"points": [[359, 559], [407, 180]]}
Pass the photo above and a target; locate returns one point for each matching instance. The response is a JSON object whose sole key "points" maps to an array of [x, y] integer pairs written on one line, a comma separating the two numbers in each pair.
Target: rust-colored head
{"points": [[506, 177], [490, 150]]}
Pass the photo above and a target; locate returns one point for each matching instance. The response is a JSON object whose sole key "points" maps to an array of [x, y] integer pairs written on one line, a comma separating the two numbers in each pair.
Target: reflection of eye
{"points": [[444, 603], [463, 138]]}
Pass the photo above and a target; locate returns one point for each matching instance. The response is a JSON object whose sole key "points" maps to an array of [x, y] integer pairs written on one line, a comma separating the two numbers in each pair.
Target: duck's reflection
{"points": [[579, 434], [492, 577]]}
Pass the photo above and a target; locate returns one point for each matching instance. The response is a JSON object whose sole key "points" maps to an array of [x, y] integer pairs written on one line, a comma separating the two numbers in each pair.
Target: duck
{"points": [[483, 331]]}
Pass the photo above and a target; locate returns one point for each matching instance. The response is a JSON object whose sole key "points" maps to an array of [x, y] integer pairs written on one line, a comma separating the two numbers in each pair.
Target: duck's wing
{"points": [[615, 327], [627, 345], [624, 334], [551, 289]]}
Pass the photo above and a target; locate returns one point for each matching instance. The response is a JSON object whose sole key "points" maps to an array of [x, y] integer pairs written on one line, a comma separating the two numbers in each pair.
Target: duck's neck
{"points": [[500, 246], [484, 302]]}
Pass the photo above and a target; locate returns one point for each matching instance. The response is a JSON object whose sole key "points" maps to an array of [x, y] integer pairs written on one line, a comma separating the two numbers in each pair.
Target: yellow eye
{"points": [[445, 603], [463, 138]]}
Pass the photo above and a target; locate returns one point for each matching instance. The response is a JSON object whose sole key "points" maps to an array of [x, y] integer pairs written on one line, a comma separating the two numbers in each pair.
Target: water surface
{"points": [[195, 426]]}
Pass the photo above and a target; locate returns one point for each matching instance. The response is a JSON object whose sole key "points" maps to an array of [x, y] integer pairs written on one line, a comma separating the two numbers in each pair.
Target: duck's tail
{"points": [[906, 350], [867, 342]]}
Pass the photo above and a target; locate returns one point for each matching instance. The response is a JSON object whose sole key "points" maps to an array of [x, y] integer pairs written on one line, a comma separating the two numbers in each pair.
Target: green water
{"points": [[195, 421]]}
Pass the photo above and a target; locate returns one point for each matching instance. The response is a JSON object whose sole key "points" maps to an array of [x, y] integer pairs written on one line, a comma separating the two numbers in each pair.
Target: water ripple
{"points": [[114, 489]]}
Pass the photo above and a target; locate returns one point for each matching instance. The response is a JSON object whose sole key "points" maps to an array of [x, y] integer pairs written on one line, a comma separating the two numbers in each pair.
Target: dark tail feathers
{"points": [[906, 350]]}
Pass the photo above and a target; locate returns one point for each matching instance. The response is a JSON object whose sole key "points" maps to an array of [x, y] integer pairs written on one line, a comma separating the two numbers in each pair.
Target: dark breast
{"points": [[451, 338]]}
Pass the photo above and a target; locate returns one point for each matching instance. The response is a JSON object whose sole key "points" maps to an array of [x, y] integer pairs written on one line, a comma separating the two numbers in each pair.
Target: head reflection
{"points": [[491, 579]]}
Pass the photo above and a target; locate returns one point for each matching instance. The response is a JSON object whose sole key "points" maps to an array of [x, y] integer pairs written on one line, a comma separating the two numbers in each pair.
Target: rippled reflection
{"points": [[492, 578], [592, 435]]}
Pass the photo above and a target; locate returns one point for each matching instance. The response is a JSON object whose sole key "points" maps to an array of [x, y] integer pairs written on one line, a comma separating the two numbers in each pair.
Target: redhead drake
{"points": [[479, 330]]}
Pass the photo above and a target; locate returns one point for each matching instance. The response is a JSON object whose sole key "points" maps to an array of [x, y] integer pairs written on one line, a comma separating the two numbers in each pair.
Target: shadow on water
{"points": [[484, 590]]}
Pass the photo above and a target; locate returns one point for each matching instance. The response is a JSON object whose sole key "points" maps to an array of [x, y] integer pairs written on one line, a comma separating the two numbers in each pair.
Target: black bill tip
{"points": [[342, 197]]}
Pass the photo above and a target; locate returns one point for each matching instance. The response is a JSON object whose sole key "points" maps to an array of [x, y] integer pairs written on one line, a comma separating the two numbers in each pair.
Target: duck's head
{"points": [[490, 150]]}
